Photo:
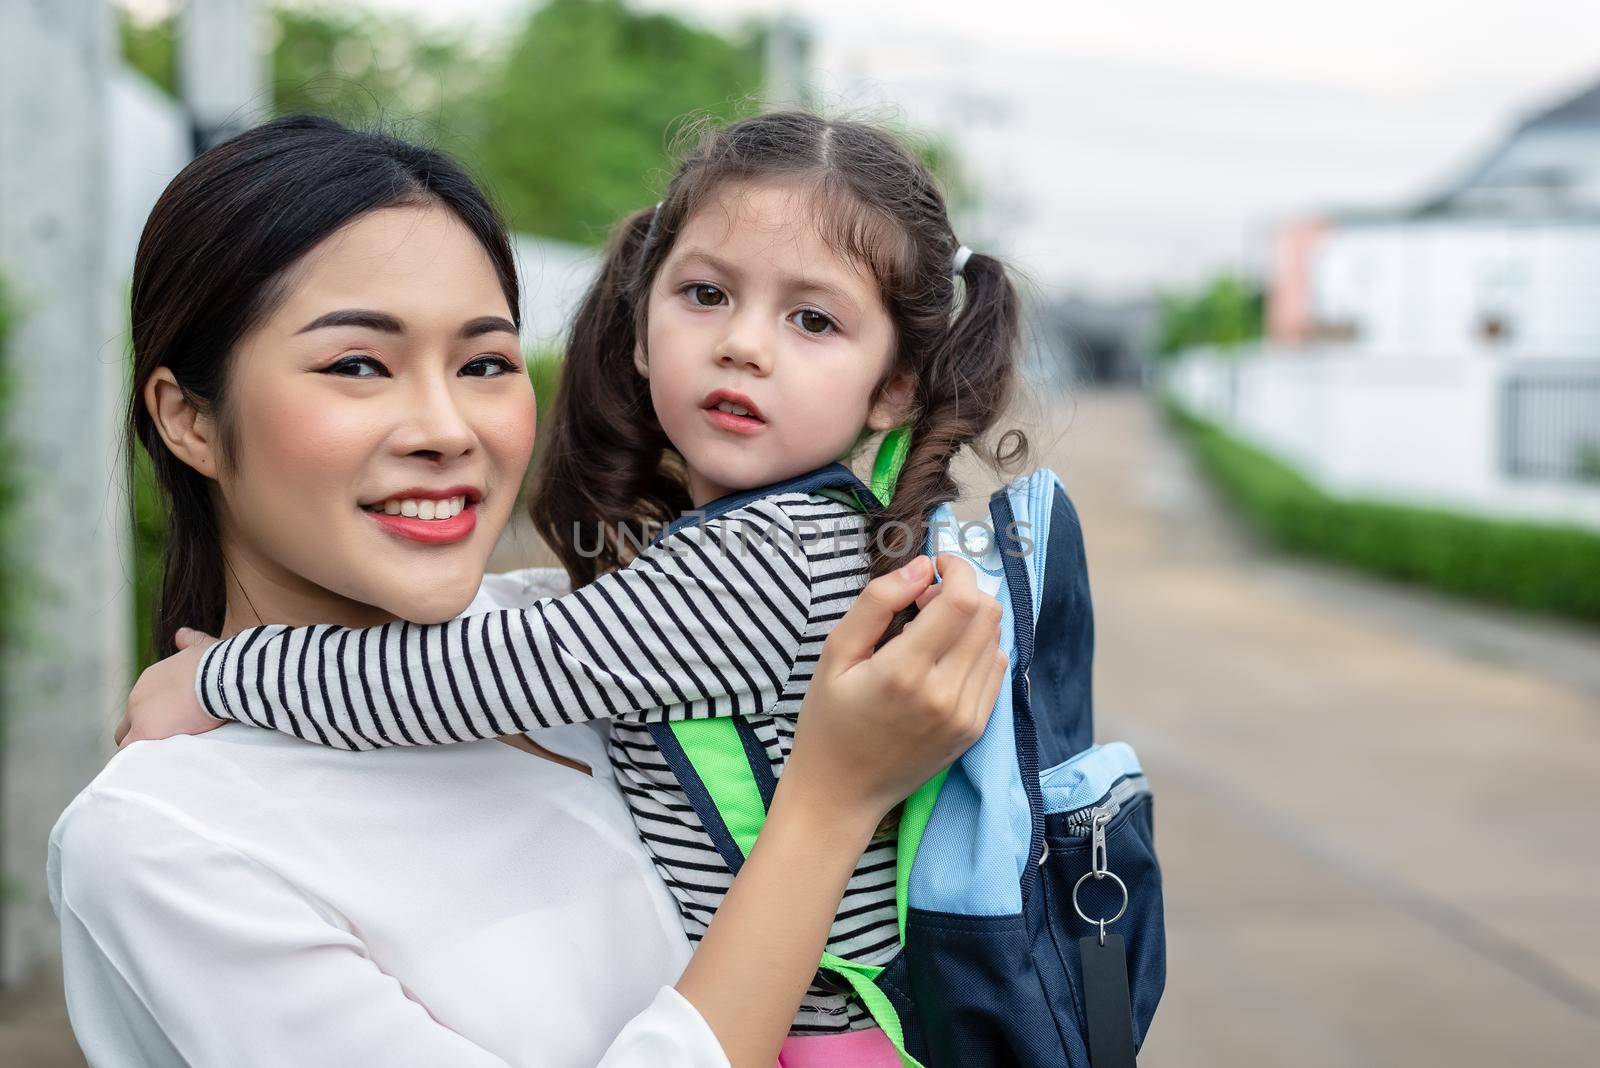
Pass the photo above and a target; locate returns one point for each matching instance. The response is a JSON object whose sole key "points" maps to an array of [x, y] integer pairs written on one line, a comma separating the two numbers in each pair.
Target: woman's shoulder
{"points": [[144, 808], [182, 782], [518, 589]]}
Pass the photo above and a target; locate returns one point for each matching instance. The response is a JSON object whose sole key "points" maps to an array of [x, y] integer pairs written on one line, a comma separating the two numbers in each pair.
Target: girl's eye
{"points": [[812, 321], [358, 367], [489, 367], [707, 296]]}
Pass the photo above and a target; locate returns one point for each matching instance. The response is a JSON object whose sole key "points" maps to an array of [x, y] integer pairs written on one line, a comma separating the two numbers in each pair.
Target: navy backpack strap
{"points": [[834, 477], [695, 789], [1020, 588]]}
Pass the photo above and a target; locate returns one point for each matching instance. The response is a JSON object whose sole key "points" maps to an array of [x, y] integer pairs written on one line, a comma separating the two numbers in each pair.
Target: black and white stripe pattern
{"points": [[726, 617]]}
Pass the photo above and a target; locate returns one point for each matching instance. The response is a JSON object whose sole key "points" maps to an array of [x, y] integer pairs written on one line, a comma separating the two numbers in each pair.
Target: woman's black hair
{"points": [[212, 263]]}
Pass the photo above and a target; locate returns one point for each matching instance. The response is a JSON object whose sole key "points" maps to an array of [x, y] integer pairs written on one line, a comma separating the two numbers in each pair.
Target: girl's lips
{"points": [[738, 424], [431, 531]]}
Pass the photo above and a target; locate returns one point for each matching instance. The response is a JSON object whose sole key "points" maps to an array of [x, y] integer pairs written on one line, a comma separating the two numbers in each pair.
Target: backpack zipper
{"points": [[1081, 821]]}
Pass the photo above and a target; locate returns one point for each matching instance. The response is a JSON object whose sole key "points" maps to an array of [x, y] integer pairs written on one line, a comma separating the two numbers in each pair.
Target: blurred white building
{"points": [[1504, 263], [1446, 354]]}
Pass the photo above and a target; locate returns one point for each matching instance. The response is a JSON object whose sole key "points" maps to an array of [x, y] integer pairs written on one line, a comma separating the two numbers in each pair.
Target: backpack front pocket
{"points": [[1130, 885]]}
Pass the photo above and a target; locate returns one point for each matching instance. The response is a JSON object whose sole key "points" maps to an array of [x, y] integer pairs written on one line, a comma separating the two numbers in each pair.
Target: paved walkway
{"points": [[1377, 810]]}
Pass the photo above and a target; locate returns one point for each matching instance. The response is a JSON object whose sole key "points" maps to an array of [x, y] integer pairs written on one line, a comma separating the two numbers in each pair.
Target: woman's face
{"points": [[383, 423]]}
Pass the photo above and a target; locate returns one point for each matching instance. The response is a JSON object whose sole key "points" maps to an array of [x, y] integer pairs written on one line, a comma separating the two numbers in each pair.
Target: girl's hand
{"points": [[877, 725], [163, 702]]}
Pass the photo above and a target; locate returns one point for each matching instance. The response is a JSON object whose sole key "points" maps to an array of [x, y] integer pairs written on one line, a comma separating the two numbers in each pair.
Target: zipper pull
{"points": [[1097, 850]]}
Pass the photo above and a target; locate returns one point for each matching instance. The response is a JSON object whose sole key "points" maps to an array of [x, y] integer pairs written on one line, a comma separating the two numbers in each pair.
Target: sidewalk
{"points": [[1376, 808]]}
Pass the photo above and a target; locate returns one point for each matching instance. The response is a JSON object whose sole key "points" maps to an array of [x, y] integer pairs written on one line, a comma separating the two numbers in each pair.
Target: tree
{"points": [[364, 68], [577, 125], [568, 123], [1227, 312], [149, 46]]}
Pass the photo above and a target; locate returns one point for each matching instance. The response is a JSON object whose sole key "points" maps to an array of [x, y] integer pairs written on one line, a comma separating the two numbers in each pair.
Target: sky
{"points": [[1122, 148]]}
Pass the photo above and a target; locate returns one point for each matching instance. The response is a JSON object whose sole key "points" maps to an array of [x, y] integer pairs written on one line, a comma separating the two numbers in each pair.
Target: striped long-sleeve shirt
{"points": [[725, 617]]}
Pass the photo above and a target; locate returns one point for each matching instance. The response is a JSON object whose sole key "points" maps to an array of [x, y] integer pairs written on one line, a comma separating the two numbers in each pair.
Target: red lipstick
{"points": [[431, 531]]}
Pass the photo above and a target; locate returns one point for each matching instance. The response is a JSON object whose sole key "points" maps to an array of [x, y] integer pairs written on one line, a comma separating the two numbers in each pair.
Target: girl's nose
{"points": [[745, 345]]}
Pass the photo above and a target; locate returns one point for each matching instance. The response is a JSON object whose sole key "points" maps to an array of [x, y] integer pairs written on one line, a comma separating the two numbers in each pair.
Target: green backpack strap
{"points": [[718, 756], [891, 458]]}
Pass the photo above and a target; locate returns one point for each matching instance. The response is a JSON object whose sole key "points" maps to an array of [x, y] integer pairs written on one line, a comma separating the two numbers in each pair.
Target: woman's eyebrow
{"points": [[372, 320], [487, 324]]}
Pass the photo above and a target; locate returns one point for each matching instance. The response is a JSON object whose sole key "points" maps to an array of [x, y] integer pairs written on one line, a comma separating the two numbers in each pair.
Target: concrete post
{"points": [[786, 63], [222, 67], [61, 688]]}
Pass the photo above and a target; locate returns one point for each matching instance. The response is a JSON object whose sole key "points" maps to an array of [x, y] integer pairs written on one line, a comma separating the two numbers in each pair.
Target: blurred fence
{"points": [[1551, 422], [1508, 439]]}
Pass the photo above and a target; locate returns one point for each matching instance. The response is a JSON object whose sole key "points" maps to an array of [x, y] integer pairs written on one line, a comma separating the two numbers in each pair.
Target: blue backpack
{"points": [[1027, 887]]}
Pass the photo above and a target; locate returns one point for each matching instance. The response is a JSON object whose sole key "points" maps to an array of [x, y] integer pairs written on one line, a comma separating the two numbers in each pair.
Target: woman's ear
{"points": [[640, 362], [893, 406], [189, 433]]}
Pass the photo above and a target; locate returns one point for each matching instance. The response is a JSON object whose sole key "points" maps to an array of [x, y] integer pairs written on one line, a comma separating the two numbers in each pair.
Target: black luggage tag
{"points": [[1106, 1003]]}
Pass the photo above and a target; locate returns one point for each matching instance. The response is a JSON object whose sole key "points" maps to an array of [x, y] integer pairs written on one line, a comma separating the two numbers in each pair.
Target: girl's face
{"points": [[764, 348], [388, 379]]}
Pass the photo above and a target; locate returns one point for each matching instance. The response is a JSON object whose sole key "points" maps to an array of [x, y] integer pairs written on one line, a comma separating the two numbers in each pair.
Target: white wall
{"points": [[1413, 288], [554, 276], [1403, 429], [150, 143]]}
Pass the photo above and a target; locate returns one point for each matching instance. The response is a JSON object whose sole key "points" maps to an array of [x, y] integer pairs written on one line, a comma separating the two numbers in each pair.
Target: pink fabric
{"points": [[870, 1048]]}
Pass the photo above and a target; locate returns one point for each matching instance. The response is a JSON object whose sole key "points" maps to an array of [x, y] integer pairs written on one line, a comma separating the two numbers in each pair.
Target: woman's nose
{"points": [[437, 427]]}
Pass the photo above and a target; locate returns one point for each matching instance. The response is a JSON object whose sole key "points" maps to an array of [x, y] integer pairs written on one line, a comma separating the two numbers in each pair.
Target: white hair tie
{"points": [[959, 264]]}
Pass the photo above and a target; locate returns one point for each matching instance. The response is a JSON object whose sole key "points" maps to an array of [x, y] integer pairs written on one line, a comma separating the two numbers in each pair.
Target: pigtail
{"points": [[964, 388], [606, 479]]}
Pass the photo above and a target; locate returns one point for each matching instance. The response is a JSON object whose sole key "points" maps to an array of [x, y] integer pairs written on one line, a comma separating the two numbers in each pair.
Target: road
{"points": [[1376, 809]]}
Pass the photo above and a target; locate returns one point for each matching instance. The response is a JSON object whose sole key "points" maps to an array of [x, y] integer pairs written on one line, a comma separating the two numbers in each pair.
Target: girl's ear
{"points": [[893, 406], [189, 433], [640, 363]]}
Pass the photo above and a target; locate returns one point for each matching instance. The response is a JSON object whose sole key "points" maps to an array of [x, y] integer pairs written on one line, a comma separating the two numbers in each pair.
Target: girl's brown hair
{"points": [[607, 476]]}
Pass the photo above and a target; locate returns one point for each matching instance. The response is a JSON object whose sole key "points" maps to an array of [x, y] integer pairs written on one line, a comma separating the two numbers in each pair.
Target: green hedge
{"points": [[1537, 567]]}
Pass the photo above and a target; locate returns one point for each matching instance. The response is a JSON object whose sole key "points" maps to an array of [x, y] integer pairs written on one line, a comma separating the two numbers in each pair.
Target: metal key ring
{"points": [[1100, 875]]}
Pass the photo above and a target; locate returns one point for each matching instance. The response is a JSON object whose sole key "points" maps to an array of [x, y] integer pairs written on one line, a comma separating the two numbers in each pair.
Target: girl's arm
{"points": [[875, 727], [709, 622]]}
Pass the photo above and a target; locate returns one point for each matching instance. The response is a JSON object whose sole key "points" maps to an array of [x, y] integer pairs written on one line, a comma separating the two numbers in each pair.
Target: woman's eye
{"points": [[707, 296], [358, 367], [812, 321], [489, 367]]}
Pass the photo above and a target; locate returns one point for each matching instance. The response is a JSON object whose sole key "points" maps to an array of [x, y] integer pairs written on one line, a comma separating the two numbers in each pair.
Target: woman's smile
{"points": [[432, 517]]}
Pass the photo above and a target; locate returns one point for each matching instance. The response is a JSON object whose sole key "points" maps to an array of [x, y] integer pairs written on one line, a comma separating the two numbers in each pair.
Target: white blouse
{"points": [[244, 898]]}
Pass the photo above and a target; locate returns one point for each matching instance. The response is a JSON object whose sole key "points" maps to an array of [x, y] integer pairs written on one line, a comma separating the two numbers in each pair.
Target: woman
{"points": [[322, 320]]}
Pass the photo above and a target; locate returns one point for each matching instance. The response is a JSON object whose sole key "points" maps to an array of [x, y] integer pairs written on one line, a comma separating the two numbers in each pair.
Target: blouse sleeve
{"points": [[706, 623], [177, 949], [671, 1033]]}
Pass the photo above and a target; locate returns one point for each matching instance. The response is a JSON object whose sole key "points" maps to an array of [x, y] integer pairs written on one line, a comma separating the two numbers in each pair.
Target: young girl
{"points": [[792, 293]]}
